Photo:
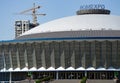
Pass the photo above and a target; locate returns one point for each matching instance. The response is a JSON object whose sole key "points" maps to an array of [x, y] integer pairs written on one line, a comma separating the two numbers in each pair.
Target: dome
{"points": [[76, 23]]}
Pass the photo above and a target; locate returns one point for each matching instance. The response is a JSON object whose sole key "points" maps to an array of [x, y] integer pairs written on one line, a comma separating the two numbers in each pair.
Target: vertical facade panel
{"points": [[56, 49], [114, 54], [118, 54], [109, 53], [98, 56], [47, 54], [67, 56], [1, 58], [83, 54], [93, 55], [6, 56], [52, 54], [21, 50], [34, 55], [17, 55], [62, 54], [72, 53], [103, 54], [77, 53], [7, 60], [86, 54], [38, 53], [13, 55], [43, 56], [29, 50]]}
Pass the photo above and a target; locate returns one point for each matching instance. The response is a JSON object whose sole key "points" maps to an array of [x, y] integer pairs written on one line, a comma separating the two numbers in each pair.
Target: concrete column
{"points": [[57, 75], [43, 58], [94, 61], [34, 59], [52, 59], [85, 73], [62, 59], [11, 65], [25, 57], [4, 63], [83, 60], [18, 60], [73, 59], [65, 75]]}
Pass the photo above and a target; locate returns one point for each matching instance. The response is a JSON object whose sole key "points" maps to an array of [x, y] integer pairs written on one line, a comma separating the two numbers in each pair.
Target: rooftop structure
{"points": [[22, 26]]}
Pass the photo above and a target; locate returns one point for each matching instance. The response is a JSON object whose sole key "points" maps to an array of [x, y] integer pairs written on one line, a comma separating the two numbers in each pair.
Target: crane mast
{"points": [[34, 14]]}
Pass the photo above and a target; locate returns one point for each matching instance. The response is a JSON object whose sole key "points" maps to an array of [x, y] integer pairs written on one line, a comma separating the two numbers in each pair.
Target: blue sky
{"points": [[53, 8]]}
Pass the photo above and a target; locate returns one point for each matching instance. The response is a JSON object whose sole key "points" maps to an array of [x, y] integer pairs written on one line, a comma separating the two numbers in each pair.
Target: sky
{"points": [[53, 9]]}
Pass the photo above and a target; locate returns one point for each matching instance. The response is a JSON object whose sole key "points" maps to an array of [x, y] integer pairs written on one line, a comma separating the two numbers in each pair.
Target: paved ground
{"points": [[71, 81], [78, 81]]}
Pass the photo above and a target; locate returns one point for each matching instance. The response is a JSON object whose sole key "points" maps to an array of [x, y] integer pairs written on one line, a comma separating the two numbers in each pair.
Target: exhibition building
{"points": [[86, 44]]}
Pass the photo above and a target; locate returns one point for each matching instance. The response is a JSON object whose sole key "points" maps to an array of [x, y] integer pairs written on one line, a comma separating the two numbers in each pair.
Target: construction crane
{"points": [[34, 15]]}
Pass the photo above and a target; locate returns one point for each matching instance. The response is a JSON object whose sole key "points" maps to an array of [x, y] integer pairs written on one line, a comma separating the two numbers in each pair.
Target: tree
{"points": [[84, 80]]}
